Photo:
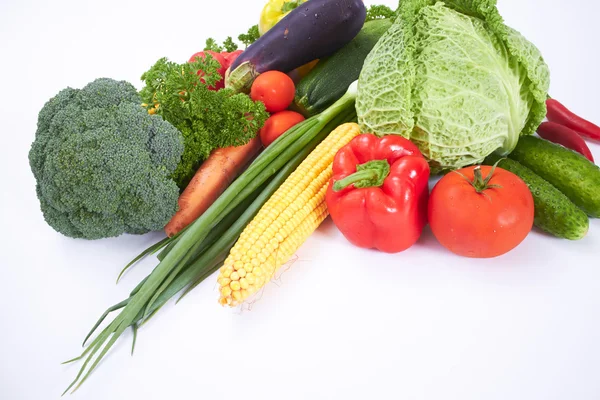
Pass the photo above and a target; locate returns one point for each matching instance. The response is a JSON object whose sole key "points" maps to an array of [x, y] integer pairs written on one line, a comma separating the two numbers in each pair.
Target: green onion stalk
{"points": [[197, 252]]}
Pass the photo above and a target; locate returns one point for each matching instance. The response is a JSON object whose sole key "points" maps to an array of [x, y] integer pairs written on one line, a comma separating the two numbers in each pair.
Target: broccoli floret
{"points": [[103, 165]]}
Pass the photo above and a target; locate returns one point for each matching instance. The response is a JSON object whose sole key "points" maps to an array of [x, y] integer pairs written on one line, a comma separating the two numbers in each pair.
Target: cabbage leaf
{"points": [[453, 78]]}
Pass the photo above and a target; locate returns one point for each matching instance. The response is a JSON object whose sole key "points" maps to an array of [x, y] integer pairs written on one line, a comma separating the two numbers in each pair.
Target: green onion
{"points": [[192, 258]]}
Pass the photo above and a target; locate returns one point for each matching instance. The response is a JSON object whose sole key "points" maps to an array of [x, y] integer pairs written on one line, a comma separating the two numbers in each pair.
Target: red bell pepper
{"points": [[231, 57], [379, 192]]}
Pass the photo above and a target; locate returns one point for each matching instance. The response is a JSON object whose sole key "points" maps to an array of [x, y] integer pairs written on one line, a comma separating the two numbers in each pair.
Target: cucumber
{"points": [[332, 76], [554, 212], [568, 171]]}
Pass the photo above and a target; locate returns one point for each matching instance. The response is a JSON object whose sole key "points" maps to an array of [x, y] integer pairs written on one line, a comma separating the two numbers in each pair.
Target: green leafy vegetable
{"points": [[228, 45], [380, 12], [212, 45], [290, 5], [207, 119], [455, 80], [250, 37], [103, 164]]}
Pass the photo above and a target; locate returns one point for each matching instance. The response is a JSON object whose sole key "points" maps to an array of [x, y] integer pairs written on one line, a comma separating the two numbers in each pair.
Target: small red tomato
{"points": [[275, 89], [481, 212], [220, 59], [277, 124]]}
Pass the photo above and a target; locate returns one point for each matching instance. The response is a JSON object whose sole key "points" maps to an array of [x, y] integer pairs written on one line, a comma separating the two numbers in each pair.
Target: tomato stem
{"points": [[479, 183]]}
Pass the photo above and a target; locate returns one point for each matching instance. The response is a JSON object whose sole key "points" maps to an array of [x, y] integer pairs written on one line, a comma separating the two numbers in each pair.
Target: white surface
{"points": [[344, 323]]}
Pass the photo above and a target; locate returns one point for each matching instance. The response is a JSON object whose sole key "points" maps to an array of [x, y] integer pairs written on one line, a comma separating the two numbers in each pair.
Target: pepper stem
{"points": [[369, 174], [290, 5]]}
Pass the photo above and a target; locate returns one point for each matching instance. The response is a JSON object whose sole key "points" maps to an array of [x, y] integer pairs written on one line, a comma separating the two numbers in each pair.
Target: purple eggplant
{"points": [[315, 29]]}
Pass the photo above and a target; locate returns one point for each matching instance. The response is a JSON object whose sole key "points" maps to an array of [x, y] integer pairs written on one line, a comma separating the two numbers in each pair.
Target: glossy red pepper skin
{"points": [[390, 217], [562, 115], [231, 57], [565, 136]]}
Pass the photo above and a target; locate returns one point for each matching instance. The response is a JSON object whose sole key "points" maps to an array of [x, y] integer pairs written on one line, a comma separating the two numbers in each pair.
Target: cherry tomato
{"points": [[275, 89], [220, 59], [476, 217], [277, 124]]}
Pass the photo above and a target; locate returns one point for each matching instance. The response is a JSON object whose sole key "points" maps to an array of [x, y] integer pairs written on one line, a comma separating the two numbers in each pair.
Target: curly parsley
{"points": [[380, 12], [207, 119]]}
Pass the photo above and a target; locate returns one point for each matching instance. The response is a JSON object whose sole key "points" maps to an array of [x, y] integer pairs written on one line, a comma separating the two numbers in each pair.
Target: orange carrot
{"points": [[211, 179]]}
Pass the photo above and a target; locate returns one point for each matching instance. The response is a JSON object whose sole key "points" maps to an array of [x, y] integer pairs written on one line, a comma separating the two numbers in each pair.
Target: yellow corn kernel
{"points": [[224, 281], [226, 291], [284, 222], [227, 271], [237, 296], [237, 265]]}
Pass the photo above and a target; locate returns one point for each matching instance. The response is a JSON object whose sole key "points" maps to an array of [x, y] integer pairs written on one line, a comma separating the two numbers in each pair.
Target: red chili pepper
{"points": [[379, 192], [557, 133], [562, 115]]}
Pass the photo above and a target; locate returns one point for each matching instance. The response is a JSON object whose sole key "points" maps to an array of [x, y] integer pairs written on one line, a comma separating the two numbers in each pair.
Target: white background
{"points": [[343, 323]]}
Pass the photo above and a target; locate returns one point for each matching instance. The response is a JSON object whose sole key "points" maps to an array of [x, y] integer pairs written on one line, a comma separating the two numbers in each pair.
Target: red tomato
{"points": [[476, 220], [220, 59], [275, 89], [277, 124]]}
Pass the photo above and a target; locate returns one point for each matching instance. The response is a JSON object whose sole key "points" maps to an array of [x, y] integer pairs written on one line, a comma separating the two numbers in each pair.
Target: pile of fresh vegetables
{"points": [[341, 111]]}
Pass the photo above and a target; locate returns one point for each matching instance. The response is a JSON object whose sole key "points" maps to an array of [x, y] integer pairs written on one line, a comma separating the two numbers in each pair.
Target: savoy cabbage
{"points": [[453, 78]]}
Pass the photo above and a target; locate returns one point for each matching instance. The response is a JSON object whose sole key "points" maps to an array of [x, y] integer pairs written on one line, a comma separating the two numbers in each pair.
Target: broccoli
{"points": [[103, 165]]}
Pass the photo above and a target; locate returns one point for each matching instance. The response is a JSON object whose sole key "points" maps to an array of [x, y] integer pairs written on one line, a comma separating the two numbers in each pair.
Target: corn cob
{"points": [[286, 220]]}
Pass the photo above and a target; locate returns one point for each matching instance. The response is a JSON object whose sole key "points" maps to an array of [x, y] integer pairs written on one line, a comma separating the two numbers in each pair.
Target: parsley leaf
{"points": [[380, 12], [230, 45], [250, 37], [212, 45], [207, 119]]}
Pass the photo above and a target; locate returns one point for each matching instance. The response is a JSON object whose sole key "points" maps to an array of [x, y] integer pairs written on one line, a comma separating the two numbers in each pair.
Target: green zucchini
{"points": [[568, 171], [332, 76], [554, 212]]}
